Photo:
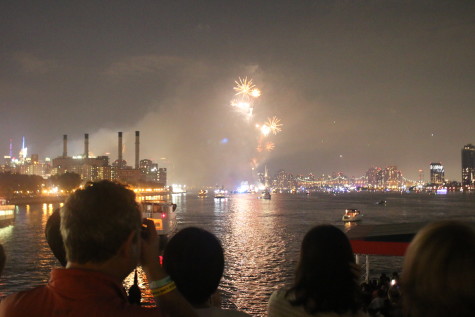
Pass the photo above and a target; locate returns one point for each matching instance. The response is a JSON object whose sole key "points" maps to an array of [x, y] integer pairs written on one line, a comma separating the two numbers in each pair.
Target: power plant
{"points": [[98, 168]]}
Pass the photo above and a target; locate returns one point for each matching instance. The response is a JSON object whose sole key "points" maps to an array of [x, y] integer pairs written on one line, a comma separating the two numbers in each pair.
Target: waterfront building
{"points": [[468, 167], [34, 168], [149, 170], [105, 172], [285, 181], [162, 176], [385, 178], [129, 175], [374, 177], [437, 173], [392, 177]]}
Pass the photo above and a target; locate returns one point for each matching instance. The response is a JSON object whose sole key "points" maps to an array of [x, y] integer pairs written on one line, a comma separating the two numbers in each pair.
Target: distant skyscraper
{"points": [[162, 176], [23, 151], [437, 173], [468, 167]]}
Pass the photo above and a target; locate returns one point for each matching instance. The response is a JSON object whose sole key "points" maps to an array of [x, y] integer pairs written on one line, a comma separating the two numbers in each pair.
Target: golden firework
{"points": [[274, 125], [246, 87], [270, 146], [265, 129], [255, 93]]}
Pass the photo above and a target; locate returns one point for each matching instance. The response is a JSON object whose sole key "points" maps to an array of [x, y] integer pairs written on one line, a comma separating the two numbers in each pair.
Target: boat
{"points": [[381, 202], [7, 213], [220, 193], [162, 213], [266, 194], [203, 193], [352, 215]]}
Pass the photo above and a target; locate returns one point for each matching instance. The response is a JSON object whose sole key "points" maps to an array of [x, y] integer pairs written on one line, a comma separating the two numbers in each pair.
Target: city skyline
{"points": [[434, 170], [355, 84]]}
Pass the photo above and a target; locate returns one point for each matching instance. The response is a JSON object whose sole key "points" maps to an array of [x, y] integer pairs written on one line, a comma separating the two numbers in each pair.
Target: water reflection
{"points": [[349, 225], [261, 238], [29, 259], [147, 297], [254, 248], [220, 205]]}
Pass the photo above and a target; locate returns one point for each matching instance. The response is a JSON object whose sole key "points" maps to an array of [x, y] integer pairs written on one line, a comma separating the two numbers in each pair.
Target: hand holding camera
{"points": [[149, 254]]}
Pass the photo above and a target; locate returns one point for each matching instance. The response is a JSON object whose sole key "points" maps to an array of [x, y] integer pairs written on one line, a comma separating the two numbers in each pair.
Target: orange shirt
{"points": [[71, 293]]}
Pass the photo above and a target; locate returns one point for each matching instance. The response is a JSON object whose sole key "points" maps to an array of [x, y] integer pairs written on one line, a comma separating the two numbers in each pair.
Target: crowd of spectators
{"points": [[99, 238], [382, 296]]}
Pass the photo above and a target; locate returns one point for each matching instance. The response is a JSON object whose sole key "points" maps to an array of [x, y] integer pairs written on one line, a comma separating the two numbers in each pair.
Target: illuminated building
{"points": [[7, 160], [282, 180], [392, 177], [149, 170], [437, 173], [374, 177], [389, 177], [468, 167], [129, 175]]}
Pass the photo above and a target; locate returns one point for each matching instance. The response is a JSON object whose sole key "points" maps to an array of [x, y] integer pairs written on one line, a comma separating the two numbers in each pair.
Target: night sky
{"points": [[355, 83]]}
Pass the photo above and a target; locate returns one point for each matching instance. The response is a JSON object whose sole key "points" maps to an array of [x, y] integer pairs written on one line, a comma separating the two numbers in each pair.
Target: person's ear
{"points": [[130, 248]]}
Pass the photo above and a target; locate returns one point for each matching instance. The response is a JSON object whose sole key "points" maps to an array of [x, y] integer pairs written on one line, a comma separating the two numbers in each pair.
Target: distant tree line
{"points": [[66, 181], [11, 183]]}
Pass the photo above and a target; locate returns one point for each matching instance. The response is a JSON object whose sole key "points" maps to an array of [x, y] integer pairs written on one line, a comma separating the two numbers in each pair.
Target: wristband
{"points": [[160, 283], [157, 292]]}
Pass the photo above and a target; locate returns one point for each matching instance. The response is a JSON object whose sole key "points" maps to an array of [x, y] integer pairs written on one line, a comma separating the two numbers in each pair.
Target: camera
{"points": [[144, 232]]}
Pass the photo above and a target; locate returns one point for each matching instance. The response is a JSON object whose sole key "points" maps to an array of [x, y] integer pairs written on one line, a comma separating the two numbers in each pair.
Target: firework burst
{"points": [[245, 87], [255, 93], [245, 98], [270, 146], [273, 124]]}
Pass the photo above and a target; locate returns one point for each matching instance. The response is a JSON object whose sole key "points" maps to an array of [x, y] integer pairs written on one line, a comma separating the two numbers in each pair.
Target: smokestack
{"points": [[120, 150], [65, 145], [86, 145], [137, 147]]}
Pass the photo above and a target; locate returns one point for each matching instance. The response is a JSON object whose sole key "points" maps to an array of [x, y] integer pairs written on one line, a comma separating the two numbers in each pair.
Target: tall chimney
{"points": [[120, 150], [86, 145], [65, 145], [137, 147]]}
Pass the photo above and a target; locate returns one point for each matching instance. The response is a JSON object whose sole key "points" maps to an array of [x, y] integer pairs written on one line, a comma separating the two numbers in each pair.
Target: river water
{"points": [[261, 238]]}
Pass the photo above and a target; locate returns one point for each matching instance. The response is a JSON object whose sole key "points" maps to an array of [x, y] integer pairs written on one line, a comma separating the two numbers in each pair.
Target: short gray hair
{"points": [[96, 220]]}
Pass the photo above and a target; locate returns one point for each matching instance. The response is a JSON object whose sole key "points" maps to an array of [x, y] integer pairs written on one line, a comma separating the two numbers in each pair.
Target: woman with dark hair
{"points": [[326, 280], [194, 258]]}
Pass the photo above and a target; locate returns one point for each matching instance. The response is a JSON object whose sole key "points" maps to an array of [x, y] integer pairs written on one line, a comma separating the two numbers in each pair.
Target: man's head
{"points": [[194, 259], [97, 220], [53, 237]]}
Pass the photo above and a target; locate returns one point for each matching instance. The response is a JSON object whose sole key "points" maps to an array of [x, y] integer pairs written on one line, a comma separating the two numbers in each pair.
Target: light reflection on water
{"points": [[261, 238]]}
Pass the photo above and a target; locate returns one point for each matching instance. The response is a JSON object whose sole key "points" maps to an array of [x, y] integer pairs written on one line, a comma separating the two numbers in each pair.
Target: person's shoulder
{"points": [[279, 294], [17, 304], [218, 312], [279, 305]]}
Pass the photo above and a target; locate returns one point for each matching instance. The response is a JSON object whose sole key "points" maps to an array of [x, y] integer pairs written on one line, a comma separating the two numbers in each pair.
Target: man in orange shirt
{"points": [[105, 240]]}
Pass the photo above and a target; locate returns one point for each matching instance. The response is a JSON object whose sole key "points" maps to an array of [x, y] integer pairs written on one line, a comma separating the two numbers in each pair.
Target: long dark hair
{"points": [[325, 280]]}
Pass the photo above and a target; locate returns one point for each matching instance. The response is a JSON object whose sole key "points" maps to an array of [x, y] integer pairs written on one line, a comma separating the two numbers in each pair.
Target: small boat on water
{"points": [[220, 193], [381, 202], [162, 213], [352, 215], [266, 194], [7, 213], [202, 193]]}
